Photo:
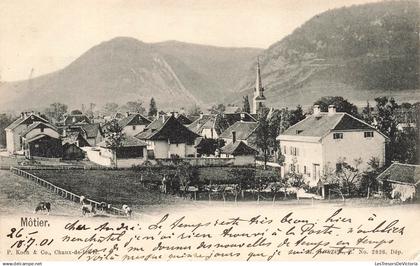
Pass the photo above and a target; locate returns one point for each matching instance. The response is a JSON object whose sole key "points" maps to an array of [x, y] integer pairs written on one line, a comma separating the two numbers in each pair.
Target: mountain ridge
{"points": [[359, 52], [176, 74]]}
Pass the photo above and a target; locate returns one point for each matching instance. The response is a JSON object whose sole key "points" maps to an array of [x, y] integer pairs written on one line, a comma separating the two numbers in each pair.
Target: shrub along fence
{"points": [[211, 181]]}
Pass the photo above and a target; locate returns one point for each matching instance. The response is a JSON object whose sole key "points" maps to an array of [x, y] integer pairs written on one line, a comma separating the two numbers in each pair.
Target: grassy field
{"points": [[117, 187], [19, 195]]}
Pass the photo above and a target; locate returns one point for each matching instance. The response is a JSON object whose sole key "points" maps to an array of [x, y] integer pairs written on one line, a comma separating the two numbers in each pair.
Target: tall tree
{"points": [[5, 120], [341, 104], [76, 112], [90, 110], [387, 124], [152, 108], [367, 114], [296, 115], [114, 139], [218, 108], [264, 137], [110, 108], [135, 107], [194, 110], [246, 106], [55, 112]]}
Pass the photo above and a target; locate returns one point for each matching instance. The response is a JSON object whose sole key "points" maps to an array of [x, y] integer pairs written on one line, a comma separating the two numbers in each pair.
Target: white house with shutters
{"points": [[324, 139]]}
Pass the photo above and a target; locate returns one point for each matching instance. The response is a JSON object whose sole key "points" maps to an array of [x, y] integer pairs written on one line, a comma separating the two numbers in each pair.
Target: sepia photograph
{"points": [[209, 130]]}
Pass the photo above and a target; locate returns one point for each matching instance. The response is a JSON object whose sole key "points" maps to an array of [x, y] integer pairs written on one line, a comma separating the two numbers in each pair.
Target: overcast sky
{"points": [[46, 35]]}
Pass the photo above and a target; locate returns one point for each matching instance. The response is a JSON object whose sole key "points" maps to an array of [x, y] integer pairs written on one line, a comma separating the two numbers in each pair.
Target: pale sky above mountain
{"points": [[46, 35]]}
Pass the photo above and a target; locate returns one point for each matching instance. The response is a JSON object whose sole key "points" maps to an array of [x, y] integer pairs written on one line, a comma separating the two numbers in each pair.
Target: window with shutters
{"points": [[368, 134], [337, 135]]}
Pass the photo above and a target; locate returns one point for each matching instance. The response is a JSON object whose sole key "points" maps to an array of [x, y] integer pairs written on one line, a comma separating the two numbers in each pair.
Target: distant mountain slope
{"points": [[122, 69], [359, 52]]}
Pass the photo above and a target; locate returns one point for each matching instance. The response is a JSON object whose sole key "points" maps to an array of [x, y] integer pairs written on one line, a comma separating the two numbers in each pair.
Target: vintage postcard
{"points": [[201, 130]]}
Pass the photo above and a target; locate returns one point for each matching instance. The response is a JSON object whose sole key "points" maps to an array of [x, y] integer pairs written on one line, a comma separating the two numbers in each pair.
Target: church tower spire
{"points": [[258, 83], [259, 99]]}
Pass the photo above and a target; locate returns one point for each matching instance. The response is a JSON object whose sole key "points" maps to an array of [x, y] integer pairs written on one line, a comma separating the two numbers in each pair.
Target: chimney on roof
{"points": [[201, 115], [233, 136], [163, 118], [73, 119], [127, 114], [22, 115], [242, 116], [331, 109], [317, 110]]}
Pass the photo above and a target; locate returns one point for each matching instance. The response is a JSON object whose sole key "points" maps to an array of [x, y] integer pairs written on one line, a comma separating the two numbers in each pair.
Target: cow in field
{"points": [[104, 207], [43, 206], [87, 208], [127, 210]]}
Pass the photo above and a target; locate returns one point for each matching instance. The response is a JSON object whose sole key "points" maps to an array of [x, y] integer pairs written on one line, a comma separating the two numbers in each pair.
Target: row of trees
{"points": [[55, 112], [131, 106]]}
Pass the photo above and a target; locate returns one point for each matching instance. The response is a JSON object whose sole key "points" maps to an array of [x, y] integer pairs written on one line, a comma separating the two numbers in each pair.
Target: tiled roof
{"points": [[152, 127], [218, 122], [406, 173], [75, 119], [238, 148], [74, 137], [127, 141], [203, 122], [38, 125], [91, 130], [243, 130], [26, 120], [321, 124], [184, 120], [167, 127], [233, 118], [133, 119]]}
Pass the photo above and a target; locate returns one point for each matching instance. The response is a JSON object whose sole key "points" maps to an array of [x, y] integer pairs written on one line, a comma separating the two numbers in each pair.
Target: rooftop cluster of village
{"points": [[313, 144]]}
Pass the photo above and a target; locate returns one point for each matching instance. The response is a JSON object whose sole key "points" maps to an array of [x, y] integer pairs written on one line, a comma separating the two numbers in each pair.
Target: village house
{"points": [[211, 126], [14, 131], [41, 140], [208, 126], [131, 151], [166, 137], [243, 154], [72, 142], [401, 181], [133, 124], [74, 119], [241, 131], [322, 141], [91, 133]]}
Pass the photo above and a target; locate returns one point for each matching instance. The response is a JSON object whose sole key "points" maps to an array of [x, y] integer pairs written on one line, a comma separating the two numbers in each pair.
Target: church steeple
{"points": [[259, 98], [258, 84]]}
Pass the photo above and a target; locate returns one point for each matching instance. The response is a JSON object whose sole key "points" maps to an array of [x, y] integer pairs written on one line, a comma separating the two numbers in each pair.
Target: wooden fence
{"points": [[60, 191]]}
